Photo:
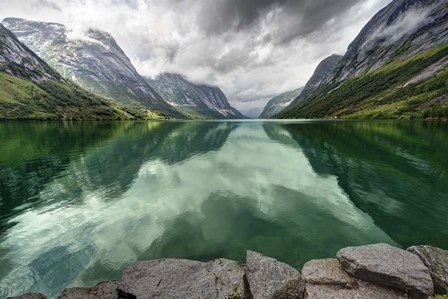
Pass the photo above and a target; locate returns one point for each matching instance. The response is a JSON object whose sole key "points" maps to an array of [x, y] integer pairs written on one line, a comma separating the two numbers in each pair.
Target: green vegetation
{"points": [[51, 100], [383, 93]]}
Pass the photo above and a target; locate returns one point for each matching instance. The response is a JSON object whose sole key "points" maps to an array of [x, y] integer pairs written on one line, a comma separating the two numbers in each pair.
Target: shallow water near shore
{"points": [[81, 201]]}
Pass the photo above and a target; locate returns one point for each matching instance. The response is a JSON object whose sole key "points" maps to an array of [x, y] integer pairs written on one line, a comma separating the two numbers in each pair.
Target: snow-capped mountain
{"points": [[194, 100], [280, 102], [92, 59]]}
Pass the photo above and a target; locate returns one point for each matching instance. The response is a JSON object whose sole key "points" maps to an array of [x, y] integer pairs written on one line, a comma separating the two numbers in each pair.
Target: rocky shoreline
{"points": [[370, 272]]}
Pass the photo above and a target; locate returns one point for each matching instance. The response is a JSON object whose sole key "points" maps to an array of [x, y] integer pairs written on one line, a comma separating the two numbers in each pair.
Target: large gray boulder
{"points": [[176, 278], [103, 290], [436, 260], [269, 278], [386, 265], [29, 296], [326, 279]]}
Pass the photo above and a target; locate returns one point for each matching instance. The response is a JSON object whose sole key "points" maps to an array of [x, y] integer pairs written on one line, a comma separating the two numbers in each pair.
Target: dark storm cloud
{"points": [[298, 18]]}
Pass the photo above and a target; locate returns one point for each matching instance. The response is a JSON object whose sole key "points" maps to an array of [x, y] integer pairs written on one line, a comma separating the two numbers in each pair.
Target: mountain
{"points": [[31, 89], [252, 112], [395, 68], [93, 60], [280, 102], [321, 75], [194, 100]]}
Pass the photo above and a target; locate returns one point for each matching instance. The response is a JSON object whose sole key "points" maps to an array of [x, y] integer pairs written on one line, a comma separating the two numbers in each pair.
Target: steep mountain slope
{"points": [[196, 101], [94, 61], [30, 89], [401, 30], [395, 68], [280, 102], [322, 75]]}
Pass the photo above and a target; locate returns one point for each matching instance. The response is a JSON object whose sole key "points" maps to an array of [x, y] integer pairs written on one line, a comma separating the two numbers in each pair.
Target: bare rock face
{"points": [[364, 290], [327, 272], [103, 290], [174, 278], [29, 296], [385, 265], [269, 278], [436, 260], [326, 279]]}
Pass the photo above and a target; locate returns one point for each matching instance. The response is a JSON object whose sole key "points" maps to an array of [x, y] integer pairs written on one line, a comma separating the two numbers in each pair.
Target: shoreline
{"points": [[369, 271]]}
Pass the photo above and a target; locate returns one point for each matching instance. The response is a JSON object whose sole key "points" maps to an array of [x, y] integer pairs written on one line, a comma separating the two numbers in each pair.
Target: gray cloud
{"points": [[290, 18], [251, 49], [48, 4]]}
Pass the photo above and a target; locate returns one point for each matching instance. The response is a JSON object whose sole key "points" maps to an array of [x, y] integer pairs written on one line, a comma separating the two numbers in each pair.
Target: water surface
{"points": [[80, 201]]}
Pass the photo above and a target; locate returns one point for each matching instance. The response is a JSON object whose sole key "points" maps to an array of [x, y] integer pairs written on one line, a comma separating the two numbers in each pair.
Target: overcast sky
{"points": [[252, 49]]}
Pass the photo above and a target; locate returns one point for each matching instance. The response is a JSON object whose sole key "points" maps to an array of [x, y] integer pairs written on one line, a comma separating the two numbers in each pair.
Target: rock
{"points": [[364, 290], [76, 293], [385, 265], [176, 278], [269, 278], [327, 272], [326, 279], [29, 296], [103, 290], [436, 260]]}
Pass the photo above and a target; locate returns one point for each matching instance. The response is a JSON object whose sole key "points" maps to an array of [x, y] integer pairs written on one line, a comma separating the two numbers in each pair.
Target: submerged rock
{"points": [[269, 278], [326, 279], [436, 260], [175, 278], [388, 266]]}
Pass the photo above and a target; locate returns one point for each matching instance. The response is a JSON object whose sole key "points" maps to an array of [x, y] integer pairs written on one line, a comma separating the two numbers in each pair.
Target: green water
{"points": [[80, 201]]}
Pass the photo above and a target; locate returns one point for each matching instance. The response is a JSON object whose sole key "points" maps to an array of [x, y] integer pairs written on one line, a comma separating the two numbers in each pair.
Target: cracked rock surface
{"points": [[174, 278], [389, 266], [326, 279], [436, 260], [269, 278]]}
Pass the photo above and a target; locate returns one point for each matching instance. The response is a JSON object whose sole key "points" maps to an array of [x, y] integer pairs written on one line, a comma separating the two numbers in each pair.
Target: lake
{"points": [[81, 201]]}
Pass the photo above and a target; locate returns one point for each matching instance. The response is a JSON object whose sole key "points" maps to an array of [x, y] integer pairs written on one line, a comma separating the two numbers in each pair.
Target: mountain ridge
{"points": [[31, 89], [93, 60], [194, 100]]}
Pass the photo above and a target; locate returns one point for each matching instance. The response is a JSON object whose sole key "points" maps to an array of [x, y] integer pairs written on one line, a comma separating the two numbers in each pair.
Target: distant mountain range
{"points": [[194, 100], [280, 102], [96, 62], [395, 68]]}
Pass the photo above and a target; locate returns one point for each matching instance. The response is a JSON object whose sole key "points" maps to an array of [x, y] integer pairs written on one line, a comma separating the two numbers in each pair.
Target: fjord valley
{"points": [[224, 149]]}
